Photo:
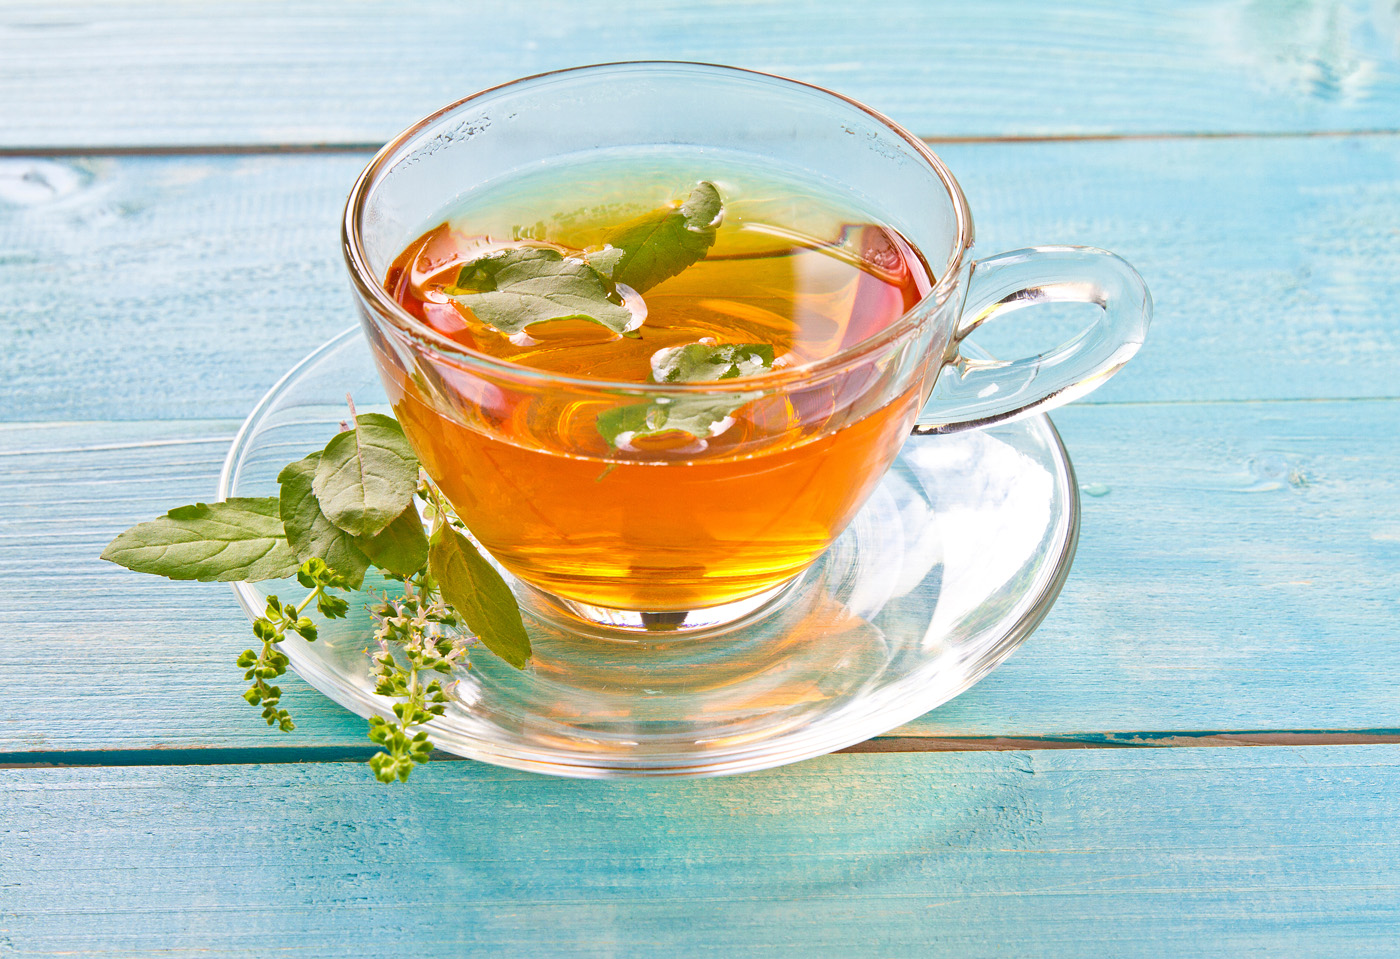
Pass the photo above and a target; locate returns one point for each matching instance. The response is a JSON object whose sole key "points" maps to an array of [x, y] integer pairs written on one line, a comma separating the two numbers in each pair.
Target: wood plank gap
{"points": [[1128, 740], [110, 447], [218, 756], [206, 149], [278, 755], [1236, 401], [1160, 135], [353, 147]]}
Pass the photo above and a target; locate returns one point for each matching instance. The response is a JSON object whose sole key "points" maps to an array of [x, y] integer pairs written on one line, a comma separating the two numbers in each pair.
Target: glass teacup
{"points": [[696, 537]]}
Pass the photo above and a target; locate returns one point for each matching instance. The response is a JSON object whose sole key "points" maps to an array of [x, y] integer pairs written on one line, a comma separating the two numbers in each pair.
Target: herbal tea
{"points": [[657, 273]]}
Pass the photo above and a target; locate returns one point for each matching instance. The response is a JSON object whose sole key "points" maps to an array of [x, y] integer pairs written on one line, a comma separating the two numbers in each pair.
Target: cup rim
{"points": [[371, 291]]}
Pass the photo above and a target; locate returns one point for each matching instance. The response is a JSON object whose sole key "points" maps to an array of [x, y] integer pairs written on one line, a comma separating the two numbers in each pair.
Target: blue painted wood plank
{"points": [[166, 73], [1274, 265], [110, 661], [1238, 569], [1239, 562], [1165, 854]]}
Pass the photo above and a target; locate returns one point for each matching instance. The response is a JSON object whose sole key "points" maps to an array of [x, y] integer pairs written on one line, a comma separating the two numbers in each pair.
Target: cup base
{"points": [[632, 626]]}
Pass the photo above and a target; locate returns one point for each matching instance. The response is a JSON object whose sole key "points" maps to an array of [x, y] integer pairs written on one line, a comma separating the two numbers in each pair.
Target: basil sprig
{"points": [[353, 505]]}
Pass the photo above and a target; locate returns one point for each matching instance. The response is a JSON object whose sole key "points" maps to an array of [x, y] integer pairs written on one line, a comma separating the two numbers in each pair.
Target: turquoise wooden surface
{"points": [[1173, 852], [174, 74], [1238, 569], [1238, 579]]}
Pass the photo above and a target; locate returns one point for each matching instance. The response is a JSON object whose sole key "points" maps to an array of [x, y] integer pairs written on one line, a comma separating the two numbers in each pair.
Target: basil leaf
{"points": [[702, 417], [309, 531], [473, 588], [238, 539], [658, 245], [401, 547], [366, 476], [605, 261], [511, 289], [702, 362]]}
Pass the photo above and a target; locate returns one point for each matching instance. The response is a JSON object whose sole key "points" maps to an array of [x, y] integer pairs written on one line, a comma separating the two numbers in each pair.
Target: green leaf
{"points": [[472, 587], [701, 416], [512, 289], [605, 261], [705, 362], [367, 476], [658, 245], [309, 531], [237, 540], [402, 546]]}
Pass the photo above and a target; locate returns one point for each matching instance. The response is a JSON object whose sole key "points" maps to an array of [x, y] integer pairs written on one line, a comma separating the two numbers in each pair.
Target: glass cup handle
{"points": [[973, 392]]}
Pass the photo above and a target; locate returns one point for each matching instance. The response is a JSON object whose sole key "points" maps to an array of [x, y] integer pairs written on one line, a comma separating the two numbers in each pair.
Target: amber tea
{"points": [[697, 273]]}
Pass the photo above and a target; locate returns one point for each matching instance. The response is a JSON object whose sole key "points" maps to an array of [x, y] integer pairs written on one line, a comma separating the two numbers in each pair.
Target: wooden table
{"points": [[169, 198]]}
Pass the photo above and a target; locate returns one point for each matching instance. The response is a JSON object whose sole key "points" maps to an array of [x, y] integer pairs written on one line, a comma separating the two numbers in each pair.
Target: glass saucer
{"points": [[953, 562]]}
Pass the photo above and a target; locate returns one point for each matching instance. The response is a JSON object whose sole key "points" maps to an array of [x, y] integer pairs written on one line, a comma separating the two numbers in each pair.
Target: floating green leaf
{"points": [[239, 539], [605, 261], [658, 245], [700, 416], [366, 476], [479, 594], [705, 362], [310, 531], [510, 290], [402, 546]]}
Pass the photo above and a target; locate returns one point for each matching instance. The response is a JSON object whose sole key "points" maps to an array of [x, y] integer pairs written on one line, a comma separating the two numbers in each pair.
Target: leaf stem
{"points": [[272, 628], [422, 629]]}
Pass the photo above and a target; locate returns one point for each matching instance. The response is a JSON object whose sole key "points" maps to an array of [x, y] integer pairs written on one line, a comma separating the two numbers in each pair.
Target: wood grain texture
{"points": [[1238, 578], [1238, 569], [1236, 562], [1182, 853], [166, 73], [1275, 266], [107, 654]]}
